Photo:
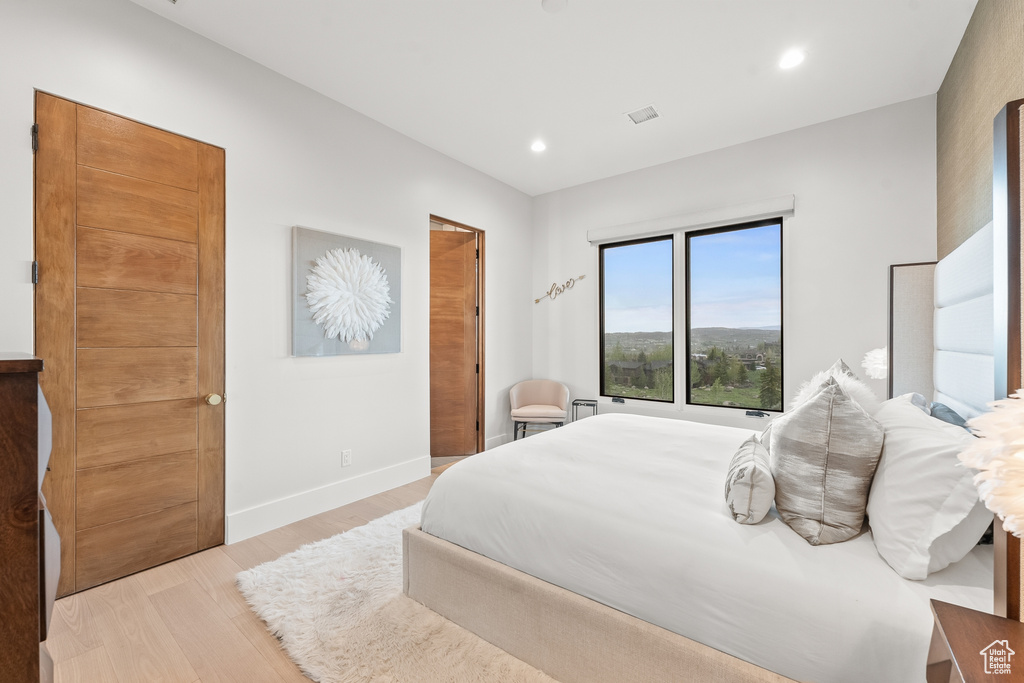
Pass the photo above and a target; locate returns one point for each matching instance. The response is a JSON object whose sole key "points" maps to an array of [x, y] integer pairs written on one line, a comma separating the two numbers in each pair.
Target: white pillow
{"points": [[851, 385], [923, 508], [749, 486]]}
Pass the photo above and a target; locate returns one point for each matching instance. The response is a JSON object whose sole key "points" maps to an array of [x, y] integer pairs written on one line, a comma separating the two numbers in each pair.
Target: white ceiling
{"points": [[479, 80]]}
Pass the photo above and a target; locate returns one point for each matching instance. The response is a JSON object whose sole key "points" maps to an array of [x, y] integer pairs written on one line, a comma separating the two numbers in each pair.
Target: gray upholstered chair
{"points": [[538, 401]]}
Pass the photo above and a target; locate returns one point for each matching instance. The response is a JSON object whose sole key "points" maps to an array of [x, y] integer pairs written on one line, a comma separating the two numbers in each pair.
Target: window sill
{"points": [[730, 417]]}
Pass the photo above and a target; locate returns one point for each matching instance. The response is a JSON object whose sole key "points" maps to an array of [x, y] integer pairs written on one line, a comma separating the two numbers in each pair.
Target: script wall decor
{"points": [[557, 289]]}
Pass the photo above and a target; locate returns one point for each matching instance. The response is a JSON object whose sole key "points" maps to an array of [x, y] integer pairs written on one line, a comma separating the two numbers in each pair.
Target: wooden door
{"points": [[453, 343], [130, 325]]}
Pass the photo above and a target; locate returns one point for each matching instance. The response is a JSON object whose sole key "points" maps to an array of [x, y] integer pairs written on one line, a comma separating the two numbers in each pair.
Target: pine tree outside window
{"points": [[734, 316], [637, 313]]}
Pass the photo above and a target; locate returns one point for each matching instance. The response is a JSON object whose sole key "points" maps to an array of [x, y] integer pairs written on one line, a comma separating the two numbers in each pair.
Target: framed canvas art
{"points": [[347, 295]]}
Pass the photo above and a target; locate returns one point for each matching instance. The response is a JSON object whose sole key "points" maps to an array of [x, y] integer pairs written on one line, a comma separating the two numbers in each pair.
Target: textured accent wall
{"points": [[986, 73]]}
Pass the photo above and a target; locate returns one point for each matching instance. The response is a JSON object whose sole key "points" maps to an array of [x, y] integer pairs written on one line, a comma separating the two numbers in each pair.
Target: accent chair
{"points": [[538, 401]]}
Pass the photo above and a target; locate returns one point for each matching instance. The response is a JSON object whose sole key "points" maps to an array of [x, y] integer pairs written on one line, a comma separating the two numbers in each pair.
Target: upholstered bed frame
{"points": [[575, 639], [569, 637]]}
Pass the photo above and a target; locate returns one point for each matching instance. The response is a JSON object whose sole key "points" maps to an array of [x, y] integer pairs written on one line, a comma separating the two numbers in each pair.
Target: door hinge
{"points": [[35, 272], [478, 425], [478, 311], [478, 368], [35, 138], [478, 254]]}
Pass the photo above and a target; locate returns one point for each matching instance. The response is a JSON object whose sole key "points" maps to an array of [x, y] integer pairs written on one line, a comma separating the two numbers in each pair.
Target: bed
{"points": [[654, 514], [604, 550]]}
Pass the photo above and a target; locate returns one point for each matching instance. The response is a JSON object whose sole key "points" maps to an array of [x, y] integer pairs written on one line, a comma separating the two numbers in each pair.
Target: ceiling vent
{"points": [[643, 115]]}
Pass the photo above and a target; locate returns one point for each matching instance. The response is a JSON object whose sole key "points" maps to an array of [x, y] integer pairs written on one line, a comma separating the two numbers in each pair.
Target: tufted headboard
{"points": [[964, 326], [942, 327]]}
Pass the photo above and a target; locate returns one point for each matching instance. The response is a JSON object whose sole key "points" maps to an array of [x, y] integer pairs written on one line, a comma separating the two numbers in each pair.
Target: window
{"points": [[636, 319], [734, 316]]}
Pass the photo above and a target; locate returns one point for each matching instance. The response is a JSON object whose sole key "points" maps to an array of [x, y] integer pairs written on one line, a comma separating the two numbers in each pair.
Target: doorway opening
{"points": [[456, 340]]}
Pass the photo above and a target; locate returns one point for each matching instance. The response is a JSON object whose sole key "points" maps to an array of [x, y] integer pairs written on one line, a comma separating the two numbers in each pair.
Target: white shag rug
{"points": [[337, 607]]}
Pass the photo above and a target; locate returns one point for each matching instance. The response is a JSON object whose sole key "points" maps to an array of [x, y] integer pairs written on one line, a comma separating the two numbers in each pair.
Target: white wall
{"points": [[864, 189], [293, 157], [865, 198]]}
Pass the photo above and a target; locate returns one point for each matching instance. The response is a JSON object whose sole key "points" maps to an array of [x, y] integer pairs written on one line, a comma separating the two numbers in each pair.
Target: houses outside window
{"points": [[731, 282], [637, 336], [734, 316]]}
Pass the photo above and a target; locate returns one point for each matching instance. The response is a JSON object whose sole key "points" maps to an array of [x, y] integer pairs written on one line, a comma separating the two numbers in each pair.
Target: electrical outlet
{"points": [[346, 457]]}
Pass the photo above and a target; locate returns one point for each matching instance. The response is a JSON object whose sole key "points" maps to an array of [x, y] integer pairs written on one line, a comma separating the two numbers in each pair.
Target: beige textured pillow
{"points": [[749, 487], [823, 455]]}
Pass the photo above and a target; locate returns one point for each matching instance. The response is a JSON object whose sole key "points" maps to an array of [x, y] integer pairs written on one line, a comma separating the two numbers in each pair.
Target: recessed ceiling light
{"points": [[552, 6], [538, 146], [791, 58]]}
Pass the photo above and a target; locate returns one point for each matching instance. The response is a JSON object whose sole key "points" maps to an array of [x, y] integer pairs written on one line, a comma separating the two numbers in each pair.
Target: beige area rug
{"points": [[337, 607]]}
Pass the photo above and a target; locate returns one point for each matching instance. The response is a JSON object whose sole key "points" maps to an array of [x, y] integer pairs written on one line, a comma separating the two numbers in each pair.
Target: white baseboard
{"points": [[262, 518], [496, 441]]}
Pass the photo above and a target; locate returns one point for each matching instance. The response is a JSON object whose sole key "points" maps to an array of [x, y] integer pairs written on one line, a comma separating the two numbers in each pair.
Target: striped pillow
{"points": [[749, 487], [823, 457]]}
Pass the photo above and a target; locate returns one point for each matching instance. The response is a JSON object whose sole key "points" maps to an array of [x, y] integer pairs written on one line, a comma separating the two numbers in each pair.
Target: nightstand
{"points": [[586, 403], [968, 645]]}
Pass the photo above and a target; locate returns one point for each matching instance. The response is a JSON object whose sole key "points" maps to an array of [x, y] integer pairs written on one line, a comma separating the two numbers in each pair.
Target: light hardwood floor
{"points": [[184, 622]]}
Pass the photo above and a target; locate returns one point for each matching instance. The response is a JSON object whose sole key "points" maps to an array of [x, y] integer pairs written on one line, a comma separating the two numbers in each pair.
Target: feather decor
{"points": [[876, 363], [999, 458], [348, 295]]}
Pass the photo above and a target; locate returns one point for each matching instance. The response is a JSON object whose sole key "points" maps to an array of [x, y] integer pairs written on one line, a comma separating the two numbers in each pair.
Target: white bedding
{"points": [[630, 511]]}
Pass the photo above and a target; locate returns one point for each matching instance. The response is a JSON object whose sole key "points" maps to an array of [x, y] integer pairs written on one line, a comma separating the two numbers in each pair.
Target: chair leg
{"points": [[515, 430]]}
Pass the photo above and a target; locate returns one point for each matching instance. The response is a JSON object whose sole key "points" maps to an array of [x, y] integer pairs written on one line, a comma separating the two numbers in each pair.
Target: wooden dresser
{"points": [[27, 536]]}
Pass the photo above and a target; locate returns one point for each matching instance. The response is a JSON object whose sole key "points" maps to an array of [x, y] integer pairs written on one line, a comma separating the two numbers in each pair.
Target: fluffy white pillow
{"points": [[923, 507], [851, 385], [749, 486]]}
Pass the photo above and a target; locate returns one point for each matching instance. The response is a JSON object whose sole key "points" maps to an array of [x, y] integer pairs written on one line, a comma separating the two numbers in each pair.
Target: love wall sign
{"points": [[557, 289]]}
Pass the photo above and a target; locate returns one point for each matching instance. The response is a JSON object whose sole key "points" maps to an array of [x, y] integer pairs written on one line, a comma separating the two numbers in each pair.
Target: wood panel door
{"points": [[454, 364], [130, 324]]}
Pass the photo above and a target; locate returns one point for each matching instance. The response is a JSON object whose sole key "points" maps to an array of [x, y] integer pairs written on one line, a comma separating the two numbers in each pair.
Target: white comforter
{"points": [[630, 511]]}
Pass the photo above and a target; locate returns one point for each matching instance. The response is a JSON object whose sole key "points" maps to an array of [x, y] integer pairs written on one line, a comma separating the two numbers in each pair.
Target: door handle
{"points": [[215, 399]]}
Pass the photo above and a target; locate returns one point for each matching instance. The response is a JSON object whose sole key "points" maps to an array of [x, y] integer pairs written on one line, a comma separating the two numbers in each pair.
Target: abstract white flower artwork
{"points": [[348, 294]]}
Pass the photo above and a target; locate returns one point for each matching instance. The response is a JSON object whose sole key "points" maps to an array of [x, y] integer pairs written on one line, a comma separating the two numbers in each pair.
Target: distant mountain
{"points": [[734, 340]]}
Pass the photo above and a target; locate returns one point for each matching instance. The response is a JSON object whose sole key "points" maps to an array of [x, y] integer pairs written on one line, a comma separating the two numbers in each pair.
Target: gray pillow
{"points": [[823, 455], [749, 487], [943, 412]]}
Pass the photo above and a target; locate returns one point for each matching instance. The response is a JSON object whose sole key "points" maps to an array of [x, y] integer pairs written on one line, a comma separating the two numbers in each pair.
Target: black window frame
{"points": [[626, 243], [686, 322]]}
